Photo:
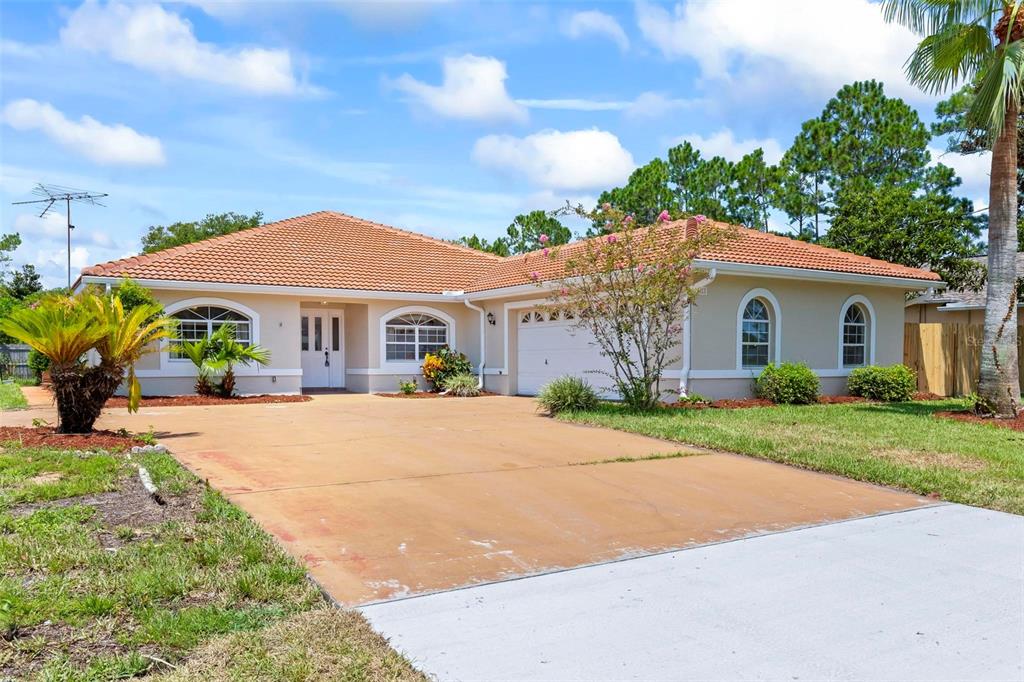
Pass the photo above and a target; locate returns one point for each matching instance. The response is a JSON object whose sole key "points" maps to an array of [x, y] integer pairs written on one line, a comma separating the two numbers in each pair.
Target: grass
{"points": [[901, 444], [11, 397], [98, 582]]}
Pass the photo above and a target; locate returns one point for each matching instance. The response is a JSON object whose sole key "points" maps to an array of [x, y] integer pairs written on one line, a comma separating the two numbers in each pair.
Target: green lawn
{"points": [[902, 445], [98, 582], [11, 397]]}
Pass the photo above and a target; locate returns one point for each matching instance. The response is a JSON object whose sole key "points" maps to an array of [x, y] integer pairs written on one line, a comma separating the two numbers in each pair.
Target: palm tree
{"points": [[198, 352], [66, 328], [225, 352], [983, 40]]}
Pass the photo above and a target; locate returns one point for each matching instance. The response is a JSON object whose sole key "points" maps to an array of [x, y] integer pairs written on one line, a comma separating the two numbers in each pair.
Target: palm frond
{"points": [[62, 329], [927, 17], [949, 57], [1002, 80]]}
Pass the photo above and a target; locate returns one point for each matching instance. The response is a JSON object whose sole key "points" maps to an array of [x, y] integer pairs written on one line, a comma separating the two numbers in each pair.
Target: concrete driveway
{"points": [[385, 498]]}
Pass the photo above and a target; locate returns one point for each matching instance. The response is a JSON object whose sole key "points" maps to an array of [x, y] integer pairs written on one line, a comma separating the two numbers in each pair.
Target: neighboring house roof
{"points": [[742, 246], [956, 298], [322, 250], [336, 251]]}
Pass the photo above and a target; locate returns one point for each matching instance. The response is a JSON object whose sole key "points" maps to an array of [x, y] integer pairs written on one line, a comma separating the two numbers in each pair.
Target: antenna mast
{"points": [[51, 194]]}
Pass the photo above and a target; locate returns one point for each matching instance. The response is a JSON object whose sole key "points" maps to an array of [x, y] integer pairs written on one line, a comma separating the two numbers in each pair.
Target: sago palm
{"points": [[967, 40], [226, 352]]}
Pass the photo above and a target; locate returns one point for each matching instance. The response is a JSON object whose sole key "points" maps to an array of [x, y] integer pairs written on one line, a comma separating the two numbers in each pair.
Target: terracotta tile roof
{"points": [[742, 246], [337, 251], [324, 249]]}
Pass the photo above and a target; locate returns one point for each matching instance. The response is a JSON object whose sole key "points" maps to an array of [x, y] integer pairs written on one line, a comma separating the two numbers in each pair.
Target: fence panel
{"points": [[947, 357], [14, 359]]}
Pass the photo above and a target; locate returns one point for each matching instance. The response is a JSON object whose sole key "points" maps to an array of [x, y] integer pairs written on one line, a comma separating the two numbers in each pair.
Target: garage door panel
{"points": [[551, 349]]}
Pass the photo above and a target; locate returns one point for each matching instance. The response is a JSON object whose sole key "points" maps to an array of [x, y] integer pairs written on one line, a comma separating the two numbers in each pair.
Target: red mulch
{"points": [[184, 400], [924, 395], [47, 436], [840, 399], [1014, 424], [425, 394]]}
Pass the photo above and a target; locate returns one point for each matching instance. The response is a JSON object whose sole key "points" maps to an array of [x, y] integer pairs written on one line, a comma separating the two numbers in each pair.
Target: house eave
{"points": [[783, 272]]}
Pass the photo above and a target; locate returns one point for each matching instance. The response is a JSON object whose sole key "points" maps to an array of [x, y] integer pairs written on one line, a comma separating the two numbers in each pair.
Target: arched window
{"points": [[199, 322], [756, 334], [855, 336], [412, 335]]}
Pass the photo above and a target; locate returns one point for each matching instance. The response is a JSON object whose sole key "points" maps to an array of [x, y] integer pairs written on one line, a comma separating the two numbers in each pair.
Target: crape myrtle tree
{"points": [[630, 288], [982, 41]]}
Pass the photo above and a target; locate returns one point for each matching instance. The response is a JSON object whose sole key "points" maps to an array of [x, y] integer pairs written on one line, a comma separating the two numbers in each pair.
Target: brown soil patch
{"points": [[1014, 424], [841, 399], [924, 459], [48, 477], [39, 436], [925, 395], [185, 400]]}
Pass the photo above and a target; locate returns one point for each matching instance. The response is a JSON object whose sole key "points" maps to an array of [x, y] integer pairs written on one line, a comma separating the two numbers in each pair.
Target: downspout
{"points": [[684, 374], [483, 341]]}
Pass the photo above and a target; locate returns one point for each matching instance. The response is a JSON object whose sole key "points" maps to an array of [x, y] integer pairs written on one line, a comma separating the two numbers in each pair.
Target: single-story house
{"points": [[351, 304], [954, 306]]}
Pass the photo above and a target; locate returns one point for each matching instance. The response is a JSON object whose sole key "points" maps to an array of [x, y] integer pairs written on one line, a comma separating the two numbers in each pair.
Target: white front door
{"points": [[322, 348]]}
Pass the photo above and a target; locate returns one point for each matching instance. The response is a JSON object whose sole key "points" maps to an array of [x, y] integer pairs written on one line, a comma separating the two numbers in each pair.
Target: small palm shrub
{"points": [[444, 363], [895, 383], [462, 385], [407, 387], [567, 394], [790, 383]]}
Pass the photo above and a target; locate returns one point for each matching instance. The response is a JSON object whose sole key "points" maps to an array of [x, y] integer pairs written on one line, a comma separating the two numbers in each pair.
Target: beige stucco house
{"points": [[351, 304]]}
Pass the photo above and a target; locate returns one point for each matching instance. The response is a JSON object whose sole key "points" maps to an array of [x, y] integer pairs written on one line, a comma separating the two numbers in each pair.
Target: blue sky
{"points": [[445, 117]]}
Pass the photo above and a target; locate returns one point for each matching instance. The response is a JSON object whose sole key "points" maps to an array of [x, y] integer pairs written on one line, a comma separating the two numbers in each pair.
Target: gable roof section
{"points": [[742, 246], [329, 250], [322, 250]]}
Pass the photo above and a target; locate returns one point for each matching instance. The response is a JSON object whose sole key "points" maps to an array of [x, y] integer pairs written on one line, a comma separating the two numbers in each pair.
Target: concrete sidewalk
{"points": [[927, 594]]}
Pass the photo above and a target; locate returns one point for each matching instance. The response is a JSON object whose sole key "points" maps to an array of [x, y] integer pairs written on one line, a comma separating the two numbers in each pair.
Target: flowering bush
{"points": [[445, 363], [632, 288]]}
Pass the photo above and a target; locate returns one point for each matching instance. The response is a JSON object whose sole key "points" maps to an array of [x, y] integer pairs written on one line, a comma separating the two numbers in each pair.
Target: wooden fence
{"points": [[14, 361], [947, 357]]}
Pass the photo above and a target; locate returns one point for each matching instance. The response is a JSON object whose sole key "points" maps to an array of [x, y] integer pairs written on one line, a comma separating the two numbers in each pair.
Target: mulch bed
{"points": [[46, 436], [923, 395], [419, 395], [184, 400], [971, 418]]}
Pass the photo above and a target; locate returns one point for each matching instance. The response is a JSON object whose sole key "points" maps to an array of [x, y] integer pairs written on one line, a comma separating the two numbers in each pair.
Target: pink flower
{"points": [[664, 217], [534, 275], [563, 291], [612, 239], [640, 268], [700, 218], [544, 239], [606, 206], [547, 251], [628, 219]]}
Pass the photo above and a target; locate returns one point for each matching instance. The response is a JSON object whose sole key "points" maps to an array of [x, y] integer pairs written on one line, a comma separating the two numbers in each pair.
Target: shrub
{"points": [[38, 363], [567, 394], [407, 387], [790, 383], [462, 385], [895, 383], [444, 363]]}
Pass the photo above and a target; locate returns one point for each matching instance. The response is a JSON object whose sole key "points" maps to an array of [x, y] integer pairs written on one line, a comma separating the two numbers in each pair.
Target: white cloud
{"points": [[104, 144], [974, 169], [53, 228], [595, 23], [818, 46], [646, 105], [655, 105], [472, 88], [149, 37], [576, 159], [724, 144]]}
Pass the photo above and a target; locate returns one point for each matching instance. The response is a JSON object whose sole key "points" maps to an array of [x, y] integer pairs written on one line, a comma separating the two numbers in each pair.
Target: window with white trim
{"points": [[755, 334], [201, 321], [411, 336], [855, 336]]}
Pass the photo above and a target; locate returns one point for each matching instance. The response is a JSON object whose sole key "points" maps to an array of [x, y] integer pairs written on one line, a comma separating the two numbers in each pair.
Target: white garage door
{"points": [[548, 347]]}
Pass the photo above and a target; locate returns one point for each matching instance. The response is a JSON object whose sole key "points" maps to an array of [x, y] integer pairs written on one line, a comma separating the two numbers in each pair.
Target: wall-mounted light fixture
{"points": [[490, 319]]}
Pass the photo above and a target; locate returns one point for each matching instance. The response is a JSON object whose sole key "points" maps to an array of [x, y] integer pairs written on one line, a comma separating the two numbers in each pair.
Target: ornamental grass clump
{"points": [[461, 385], [790, 383], [567, 394], [893, 384]]}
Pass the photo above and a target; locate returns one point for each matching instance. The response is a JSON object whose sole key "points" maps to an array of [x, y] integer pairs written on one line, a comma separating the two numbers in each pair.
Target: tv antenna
{"points": [[51, 194]]}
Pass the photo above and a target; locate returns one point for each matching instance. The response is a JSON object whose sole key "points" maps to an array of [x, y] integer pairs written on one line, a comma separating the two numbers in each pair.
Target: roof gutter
{"points": [[461, 295]]}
